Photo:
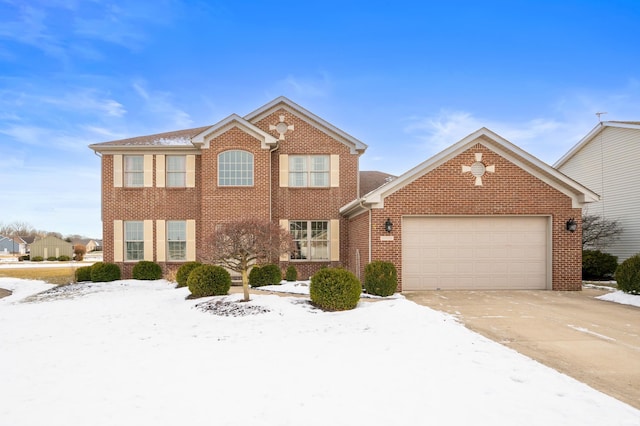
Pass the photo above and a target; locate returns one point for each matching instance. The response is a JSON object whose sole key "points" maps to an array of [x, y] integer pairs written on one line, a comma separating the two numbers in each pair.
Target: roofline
{"points": [[203, 138], [356, 144], [375, 199], [592, 134]]}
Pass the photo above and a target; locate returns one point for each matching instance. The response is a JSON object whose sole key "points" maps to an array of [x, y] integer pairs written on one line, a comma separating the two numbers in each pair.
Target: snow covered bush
{"points": [[291, 274], [104, 272], [628, 275], [83, 274], [146, 270], [334, 289], [598, 265], [380, 278], [209, 280], [183, 273], [265, 275]]}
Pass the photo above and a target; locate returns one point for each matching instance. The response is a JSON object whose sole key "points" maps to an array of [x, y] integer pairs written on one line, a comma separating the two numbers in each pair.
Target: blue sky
{"points": [[406, 78]]}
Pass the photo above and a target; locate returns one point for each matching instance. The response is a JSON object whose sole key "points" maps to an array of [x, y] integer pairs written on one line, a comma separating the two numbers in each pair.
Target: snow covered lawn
{"points": [[137, 353]]}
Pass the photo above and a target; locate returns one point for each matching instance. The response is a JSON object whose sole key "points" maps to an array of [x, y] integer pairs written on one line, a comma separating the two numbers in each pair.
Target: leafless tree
{"points": [[598, 232], [240, 244]]}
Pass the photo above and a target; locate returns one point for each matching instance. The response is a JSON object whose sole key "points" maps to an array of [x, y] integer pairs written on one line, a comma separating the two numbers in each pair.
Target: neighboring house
{"points": [[481, 214], [94, 245], [606, 160], [8, 245], [51, 246]]}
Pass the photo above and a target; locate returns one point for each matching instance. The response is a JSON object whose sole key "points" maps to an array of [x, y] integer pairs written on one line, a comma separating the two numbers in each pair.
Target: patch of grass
{"points": [[58, 275]]}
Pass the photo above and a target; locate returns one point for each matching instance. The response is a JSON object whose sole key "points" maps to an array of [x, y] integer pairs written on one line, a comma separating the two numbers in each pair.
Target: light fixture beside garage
{"points": [[388, 226], [572, 225]]}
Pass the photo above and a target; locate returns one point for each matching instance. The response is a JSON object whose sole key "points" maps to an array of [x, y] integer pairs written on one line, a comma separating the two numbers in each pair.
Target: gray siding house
{"points": [[607, 161]]}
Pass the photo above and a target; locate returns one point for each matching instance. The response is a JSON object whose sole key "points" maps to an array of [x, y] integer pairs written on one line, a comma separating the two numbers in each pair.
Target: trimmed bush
{"points": [[291, 274], [183, 272], [51, 259], [598, 265], [380, 278], [628, 275], [265, 275], [209, 280], [104, 272], [63, 258], [37, 259], [334, 289], [83, 274], [146, 270]]}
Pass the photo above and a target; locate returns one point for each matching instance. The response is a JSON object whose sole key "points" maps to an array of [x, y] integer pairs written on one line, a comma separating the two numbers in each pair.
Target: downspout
{"points": [[271, 151], [361, 202]]}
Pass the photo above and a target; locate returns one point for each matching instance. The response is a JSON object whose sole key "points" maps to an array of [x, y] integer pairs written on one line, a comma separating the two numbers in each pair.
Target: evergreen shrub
{"points": [[37, 259], [51, 259], [83, 274], [628, 275], [183, 272], [63, 258], [105, 272], [598, 265], [209, 280], [265, 275], [291, 274], [380, 278], [146, 270], [335, 289]]}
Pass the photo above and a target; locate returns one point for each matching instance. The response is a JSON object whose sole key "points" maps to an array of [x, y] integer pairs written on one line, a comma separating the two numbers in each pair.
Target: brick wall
{"points": [[509, 191]]}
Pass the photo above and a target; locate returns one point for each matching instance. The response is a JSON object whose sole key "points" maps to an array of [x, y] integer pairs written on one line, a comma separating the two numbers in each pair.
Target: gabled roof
{"points": [[578, 193], [179, 138], [371, 179], [204, 137], [592, 134], [283, 103]]}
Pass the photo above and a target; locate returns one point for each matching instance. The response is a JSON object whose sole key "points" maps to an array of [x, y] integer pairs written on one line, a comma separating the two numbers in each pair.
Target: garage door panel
{"points": [[474, 252]]}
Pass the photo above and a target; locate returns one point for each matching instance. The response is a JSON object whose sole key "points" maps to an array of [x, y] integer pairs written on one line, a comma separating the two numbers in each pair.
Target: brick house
{"points": [[162, 195]]}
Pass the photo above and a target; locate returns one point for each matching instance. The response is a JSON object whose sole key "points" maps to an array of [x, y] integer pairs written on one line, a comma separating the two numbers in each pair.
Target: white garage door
{"points": [[484, 253]]}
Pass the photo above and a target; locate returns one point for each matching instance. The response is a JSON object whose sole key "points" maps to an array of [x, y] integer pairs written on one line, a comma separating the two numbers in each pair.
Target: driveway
{"points": [[593, 341]]}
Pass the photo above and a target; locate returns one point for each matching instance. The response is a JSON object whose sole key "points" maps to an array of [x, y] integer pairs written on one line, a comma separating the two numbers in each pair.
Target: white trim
{"points": [[204, 138]]}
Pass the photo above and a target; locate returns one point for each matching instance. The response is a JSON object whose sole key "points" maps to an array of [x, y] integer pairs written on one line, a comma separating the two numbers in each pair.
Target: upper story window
{"points": [[134, 170], [235, 168], [176, 170], [309, 170]]}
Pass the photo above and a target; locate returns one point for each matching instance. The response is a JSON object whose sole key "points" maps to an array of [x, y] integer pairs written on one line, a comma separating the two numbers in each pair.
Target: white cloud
{"points": [[319, 86], [160, 106]]}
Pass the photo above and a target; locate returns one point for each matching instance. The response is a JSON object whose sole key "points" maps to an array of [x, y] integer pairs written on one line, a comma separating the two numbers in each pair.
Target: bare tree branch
{"points": [[598, 232]]}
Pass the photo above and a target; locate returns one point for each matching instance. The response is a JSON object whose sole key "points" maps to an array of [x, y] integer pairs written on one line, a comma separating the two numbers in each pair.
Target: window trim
{"points": [[234, 174]]}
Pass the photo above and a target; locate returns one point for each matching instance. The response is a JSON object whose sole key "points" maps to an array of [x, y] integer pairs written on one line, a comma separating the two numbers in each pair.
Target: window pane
{"points": [[297, 163], [176, 163], [320, 163], [235, 168], [298, 179], [134, 240], [133, 170], [319, 250], [320, 179]]}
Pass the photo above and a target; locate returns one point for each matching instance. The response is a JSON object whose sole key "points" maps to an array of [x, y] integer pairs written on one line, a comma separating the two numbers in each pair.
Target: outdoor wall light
{"points": [[572, 225], [388, 226]]}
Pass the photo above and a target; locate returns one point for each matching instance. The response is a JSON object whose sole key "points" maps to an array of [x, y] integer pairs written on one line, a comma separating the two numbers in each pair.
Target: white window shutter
{"points": [[160, 171], [334, 229], [118, 241], [117, 171], [148, 171], [284, 170], [335, 171], [284, 224], [161, 241], [148, 240], [191, 171], [191, 240]]}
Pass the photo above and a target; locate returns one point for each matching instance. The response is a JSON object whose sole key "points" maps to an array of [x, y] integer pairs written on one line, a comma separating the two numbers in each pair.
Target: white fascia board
{"points": [[355, 145], [234, 120], [146, 149]]}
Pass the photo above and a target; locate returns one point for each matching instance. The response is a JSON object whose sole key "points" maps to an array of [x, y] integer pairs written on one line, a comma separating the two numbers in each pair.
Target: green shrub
{"points": [[598, 265], [334, 289], [291, 274], [265, 275], [83, 274], [380, 278], [183, 272], [209, 280], [63, 258], [104, 272], [146, 270], [51, 259], [37, 259], [628, 275]]}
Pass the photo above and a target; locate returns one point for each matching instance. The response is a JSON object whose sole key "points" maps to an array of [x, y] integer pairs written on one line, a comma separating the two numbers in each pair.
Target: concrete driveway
{"points": [[593, 341]]}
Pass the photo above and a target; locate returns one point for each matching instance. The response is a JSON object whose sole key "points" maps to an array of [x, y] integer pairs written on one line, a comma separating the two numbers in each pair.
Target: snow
{"points": [[139, 353], [621, 297], [172, 141]]}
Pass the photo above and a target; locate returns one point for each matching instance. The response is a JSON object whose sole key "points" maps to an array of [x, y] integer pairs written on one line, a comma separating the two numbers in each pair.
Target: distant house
{"points": [[51, 246], [93, 245], [605, 161], [8, 245]]}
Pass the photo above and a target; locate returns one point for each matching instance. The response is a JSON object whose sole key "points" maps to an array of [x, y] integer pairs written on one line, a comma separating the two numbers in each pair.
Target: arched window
{"points": [[235, 168]]}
